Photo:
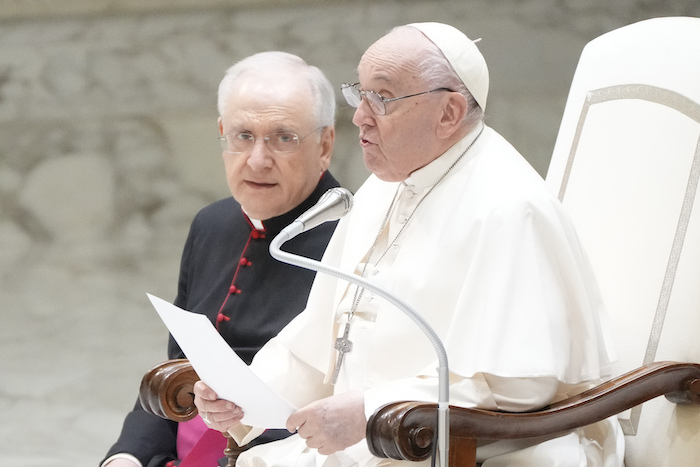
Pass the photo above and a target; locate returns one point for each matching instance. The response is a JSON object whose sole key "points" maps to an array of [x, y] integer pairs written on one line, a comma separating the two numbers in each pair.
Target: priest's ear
{"points": [[326, 143], [453, 113]]}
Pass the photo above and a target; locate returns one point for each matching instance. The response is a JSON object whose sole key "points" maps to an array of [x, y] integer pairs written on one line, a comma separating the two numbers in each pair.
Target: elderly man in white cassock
{"points": [[456, 223]]}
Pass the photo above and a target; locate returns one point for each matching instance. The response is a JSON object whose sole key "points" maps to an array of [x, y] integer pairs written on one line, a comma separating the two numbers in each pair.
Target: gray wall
{"points": [[107, 149]]}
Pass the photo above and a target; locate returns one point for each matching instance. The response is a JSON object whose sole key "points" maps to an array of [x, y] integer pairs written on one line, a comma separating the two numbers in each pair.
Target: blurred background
{"points": [[108, 148]]}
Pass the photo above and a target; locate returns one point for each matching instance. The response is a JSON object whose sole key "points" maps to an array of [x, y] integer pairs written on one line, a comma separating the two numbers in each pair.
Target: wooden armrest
{"points": [[404, 430], [166, 390]]}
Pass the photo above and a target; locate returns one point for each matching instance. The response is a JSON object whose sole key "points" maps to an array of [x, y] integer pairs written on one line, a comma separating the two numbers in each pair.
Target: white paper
{"points": [[221, 369]]}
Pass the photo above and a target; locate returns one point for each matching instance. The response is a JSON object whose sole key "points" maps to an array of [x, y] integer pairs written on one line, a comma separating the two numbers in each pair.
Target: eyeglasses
{"points": [[244, 141], [353, 95]]}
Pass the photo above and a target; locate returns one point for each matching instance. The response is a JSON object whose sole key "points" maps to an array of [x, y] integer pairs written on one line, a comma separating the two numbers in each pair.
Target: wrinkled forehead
{"points": [[255, 93], [394, 59], [283, 83], [263, 103]]}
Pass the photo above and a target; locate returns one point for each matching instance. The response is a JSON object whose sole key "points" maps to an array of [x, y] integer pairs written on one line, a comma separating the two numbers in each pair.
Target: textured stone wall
{"points": [[107, 123], [107, 149]]}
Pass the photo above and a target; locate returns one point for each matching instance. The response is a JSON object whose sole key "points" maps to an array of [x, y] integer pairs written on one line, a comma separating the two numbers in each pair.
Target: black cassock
{"points": [[227, 273]]}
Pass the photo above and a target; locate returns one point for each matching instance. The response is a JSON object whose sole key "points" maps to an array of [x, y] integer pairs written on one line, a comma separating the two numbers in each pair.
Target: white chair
{"points": [[626, 165]]}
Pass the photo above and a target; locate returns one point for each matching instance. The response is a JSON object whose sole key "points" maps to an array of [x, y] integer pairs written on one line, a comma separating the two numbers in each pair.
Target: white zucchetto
{"points": [[464, 56]]}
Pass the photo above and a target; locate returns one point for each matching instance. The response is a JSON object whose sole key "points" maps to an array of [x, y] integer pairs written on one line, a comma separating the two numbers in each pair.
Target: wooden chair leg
{"points": [[232, 451], [462, 452]]}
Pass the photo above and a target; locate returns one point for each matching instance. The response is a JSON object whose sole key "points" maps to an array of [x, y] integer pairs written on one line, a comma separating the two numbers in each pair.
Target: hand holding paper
{"points": [[221, 369]]}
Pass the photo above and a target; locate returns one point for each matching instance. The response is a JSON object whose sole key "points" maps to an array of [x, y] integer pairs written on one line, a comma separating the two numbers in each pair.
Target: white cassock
{"points": [[492, 262]]}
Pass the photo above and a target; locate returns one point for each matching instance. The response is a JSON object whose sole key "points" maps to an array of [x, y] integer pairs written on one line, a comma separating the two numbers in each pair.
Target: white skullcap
{"points": [[463, 55]]}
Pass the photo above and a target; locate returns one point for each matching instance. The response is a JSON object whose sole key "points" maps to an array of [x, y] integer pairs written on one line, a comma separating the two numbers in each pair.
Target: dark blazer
{"points": [[227, 273]]}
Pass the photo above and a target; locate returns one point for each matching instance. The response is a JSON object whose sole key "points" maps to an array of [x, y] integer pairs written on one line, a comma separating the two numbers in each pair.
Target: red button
{"points": [[233, 289], [221, 318]]}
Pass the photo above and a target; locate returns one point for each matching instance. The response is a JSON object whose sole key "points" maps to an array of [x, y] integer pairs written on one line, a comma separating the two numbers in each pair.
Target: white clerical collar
{"points": [[258, 224], [431, 173]]}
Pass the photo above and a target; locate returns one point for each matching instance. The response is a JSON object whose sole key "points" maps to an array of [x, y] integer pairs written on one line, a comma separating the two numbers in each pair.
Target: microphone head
{"points": [[339, 201], [333, 204]]}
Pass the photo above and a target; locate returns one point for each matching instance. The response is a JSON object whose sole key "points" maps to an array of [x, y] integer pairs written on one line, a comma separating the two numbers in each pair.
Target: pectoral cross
{"points": [[343, 345]]}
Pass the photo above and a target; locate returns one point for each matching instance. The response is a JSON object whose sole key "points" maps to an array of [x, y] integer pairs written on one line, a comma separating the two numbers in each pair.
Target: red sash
{"points": [[207, 449]]}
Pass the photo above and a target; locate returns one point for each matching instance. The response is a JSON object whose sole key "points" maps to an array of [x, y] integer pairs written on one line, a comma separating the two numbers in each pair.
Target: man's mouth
{"points": [[364, 141], [254, 184]]}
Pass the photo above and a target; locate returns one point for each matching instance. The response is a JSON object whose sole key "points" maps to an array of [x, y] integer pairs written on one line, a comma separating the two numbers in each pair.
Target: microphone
{"points": [[334, 204]]}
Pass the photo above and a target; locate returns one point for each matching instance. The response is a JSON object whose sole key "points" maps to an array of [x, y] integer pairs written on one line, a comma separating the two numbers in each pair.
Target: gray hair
{"points": [[437, 72], [272, 62]]}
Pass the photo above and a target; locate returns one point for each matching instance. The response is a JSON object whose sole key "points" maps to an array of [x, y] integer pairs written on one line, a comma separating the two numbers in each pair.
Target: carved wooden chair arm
{"points": [[405, 430], [167, 390]]}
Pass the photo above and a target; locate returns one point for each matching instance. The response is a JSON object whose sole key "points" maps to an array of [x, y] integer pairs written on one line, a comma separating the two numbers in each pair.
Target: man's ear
{"points": [[326, 143], [221, 127], [453, 114]]}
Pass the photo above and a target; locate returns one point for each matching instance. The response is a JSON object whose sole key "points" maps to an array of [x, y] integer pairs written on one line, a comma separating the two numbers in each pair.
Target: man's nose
{"points": [[363, 114], [260, 156]]}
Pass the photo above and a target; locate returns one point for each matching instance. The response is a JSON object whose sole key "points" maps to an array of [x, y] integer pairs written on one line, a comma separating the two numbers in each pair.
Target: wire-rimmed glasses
{"points": [[243, 141], [353, 96]]}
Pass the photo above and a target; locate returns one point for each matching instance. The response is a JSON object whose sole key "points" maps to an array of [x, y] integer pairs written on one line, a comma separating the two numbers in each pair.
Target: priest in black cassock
{"points": [[276, 126]]}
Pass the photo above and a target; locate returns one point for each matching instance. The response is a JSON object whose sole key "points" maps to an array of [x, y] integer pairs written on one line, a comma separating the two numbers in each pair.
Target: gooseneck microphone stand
{"points": [[297, 227]]}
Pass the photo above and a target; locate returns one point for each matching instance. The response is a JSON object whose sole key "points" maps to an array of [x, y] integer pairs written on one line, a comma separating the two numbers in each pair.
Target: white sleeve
{"points": [[122, 456], [291, 378], [288, 375]]}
